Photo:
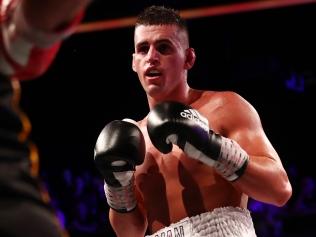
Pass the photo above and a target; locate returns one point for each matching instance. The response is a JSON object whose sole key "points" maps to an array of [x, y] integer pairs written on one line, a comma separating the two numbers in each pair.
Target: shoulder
{"points": [[224, 96], [224, 100], [228, 110], [228, 100]]}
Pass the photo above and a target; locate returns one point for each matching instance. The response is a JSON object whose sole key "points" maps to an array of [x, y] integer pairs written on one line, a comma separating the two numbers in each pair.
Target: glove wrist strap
{"points": [[232, 160], [121, 199]]}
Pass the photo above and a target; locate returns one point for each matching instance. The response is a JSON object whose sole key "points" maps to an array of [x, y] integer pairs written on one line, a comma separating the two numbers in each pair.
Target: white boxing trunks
{"points": [[221, 222]]}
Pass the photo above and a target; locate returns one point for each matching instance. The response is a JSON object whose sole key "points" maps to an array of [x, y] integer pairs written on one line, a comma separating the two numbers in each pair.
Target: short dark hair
{"points": [[161, 15]]}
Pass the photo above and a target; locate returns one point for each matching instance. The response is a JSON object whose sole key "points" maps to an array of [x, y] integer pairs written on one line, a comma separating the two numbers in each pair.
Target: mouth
{"points": [[153, 74]]}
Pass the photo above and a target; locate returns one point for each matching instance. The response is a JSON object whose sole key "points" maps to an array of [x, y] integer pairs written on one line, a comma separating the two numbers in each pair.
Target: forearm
{"points": [[32, 31], [51, 15], [265, 180], [132, 224]]}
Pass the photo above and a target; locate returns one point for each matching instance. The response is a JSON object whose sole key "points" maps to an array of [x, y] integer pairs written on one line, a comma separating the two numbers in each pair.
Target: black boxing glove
{"points": [[171, 123], [119, 148]]}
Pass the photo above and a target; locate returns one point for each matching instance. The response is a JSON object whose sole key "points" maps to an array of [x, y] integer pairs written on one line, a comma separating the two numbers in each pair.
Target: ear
{"points": [[133, 63], [190, 58]]}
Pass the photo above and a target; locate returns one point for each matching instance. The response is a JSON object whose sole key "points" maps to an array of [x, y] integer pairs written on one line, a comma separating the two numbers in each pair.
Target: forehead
{"points": [[152, 33]]}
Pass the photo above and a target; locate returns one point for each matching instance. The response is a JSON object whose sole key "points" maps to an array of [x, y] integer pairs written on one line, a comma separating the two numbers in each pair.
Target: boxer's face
{"points": [[160, 58]]}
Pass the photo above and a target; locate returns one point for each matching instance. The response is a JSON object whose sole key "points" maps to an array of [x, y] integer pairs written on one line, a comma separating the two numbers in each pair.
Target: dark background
{"points": [[267, 56]]}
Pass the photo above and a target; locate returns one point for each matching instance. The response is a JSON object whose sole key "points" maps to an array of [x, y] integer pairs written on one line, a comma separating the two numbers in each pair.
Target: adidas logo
{"points": [[195, 116]]}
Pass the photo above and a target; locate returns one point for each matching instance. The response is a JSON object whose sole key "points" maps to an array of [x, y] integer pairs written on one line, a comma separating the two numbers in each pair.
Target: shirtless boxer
{"points": [[187, 168]]}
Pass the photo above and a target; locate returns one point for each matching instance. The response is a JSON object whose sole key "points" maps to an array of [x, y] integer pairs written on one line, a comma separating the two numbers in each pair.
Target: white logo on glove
{"points": [[195, 116]]}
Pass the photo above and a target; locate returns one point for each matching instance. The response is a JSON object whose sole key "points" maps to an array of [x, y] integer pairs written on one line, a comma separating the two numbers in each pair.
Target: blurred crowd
{"points": [[79, 202]]}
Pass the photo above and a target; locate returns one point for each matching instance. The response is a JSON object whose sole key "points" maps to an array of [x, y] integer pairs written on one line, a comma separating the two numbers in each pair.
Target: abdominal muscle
{"points": [[174, 186]]}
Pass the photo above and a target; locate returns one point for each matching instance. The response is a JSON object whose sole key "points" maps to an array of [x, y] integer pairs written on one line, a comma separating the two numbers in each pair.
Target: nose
{"points": [[152, 55]]}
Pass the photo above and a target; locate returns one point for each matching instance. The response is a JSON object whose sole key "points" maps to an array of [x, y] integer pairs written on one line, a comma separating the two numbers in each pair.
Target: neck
{"points": [[183, 95]]}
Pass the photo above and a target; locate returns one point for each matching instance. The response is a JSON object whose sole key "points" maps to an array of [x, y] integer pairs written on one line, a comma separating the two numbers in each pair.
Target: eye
{"points": [[142, 49], [164, 48]]}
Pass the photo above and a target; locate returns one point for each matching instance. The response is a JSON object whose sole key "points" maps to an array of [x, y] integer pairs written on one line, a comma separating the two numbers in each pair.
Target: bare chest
{"points": [[174, 186]]}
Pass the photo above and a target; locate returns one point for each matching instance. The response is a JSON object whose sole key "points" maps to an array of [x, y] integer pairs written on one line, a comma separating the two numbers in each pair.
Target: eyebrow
{"points": [[141, 44], [156, 42]]}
